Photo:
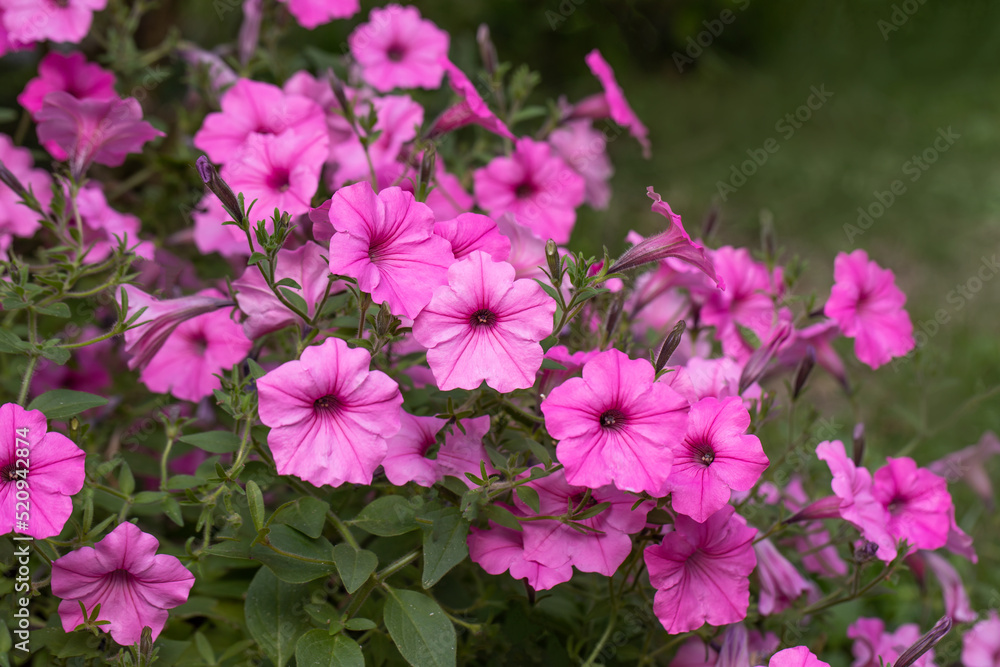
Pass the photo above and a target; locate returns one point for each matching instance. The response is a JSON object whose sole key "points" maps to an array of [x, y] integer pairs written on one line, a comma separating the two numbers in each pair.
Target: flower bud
{"points": [[219, 188], [759, 360], [710, 222], [858, 453], [865, 552], [555, 264], [12, 182], [338, 92], [614, 317], [805, 368], [487, 50], [925, 643], [669, 345]]}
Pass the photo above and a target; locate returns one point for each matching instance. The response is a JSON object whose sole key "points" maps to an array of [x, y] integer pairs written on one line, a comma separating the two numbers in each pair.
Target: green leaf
{"points": [[353, 565], [65, 403], [181, 482], [502, 516], [529, 497], [126, 480], [295, 299], [10, 343], [298, 565], [256, 258], [51, 351], [274, 615], [549, 289], [549, 342], [552, 365], [360, 624], [204, 648], [387, 516], [147, 497], [445, 543], [591, 512], [216, 442], [317, 648], [256, 501], [55, 309], [306, 514], [420, 629], [256, 370], [288, 282]]}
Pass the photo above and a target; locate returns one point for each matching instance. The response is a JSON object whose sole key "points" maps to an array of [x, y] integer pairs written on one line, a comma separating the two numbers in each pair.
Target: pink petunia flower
{"points": [[405, 460], [710, 378], [313, 13], [472, 108], [40, 472], [695, 653], [981, 644], [211, 235], [485, 326], [134, 585], [500, 549], [305, 265], [399, 49], [449, 198], [716, 456], [956, 599], [612, 102], [585, 150], [72, 74], [330, 416], [29, 21], [798, 656], [195, 352], [527, 249], [471, 231], [465, 452], [701, 571], [15, 218], [780, 583], [386, 242], [874, 647], [916, 502], [534, 185], [251, 108], [615, 425], [93, 130], [868, 306]]}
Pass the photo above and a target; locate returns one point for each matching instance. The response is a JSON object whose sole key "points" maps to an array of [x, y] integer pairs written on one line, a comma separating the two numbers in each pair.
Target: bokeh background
{"points": [[899, 73]]}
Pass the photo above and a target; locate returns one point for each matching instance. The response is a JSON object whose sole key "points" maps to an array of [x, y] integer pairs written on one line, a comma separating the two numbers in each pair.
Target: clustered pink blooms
{"points": [[15, 218], [399, 49]]}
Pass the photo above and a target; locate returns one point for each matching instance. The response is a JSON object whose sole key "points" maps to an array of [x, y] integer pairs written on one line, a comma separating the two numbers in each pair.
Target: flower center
{"points": [[120, 576], [483, 317], [703, 452], [395, 53], [279, 180], [8, 473], [328, 403], [524, 190], [613, 419], [376, 249]]}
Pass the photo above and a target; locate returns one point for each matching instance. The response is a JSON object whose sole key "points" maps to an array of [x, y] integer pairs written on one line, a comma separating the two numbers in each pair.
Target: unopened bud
{"points": [[865, 552], [614, 316], [758, 361], [487, 51], [669, 345], [219, 187], [858, 453], [805, 368], [925, 643], [711, 222], [339, 93], [554, 262], [426, 172], [384, 320], [146, 646], [12, 182]]}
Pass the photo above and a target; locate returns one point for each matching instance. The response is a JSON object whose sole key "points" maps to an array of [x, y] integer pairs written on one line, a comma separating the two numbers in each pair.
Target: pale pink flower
{"points": [[134, 585], [956, 599], [306, 265], [614, 103], [874, 647], [398, 120], [463, 451], [701, 571], [916, 501], [56, 20], [981, 644], [527, 249], [695, 653], [195, 353], [70, 73], [211, 235], [45, 465], [780, 583], [472, 108], [330, 416], [534, 185], [280, 171], [818, 337], [313, 13], [16, 218], [448, 199], [584, 149], [500, 549], [799, 656], [386, 242], [219, 74], [399, 49], [250, 108], [868, 307], [104, 227], [710, 378], [485, 326], [615, 425], [716, 456], [93, 130], [572, 366], [405, 460], [471, 231], [968, 464]]}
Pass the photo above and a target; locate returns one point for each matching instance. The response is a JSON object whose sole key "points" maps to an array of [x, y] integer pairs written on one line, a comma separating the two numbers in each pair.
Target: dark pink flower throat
{"points": [[613, 419]]}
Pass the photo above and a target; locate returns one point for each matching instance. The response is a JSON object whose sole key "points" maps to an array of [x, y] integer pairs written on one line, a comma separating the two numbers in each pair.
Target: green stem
{"points": [[612, 621], [163, 463], [377, 580]]}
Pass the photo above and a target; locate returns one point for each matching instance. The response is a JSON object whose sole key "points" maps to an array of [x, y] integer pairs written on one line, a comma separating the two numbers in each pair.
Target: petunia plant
{"points": [[364, 403]]}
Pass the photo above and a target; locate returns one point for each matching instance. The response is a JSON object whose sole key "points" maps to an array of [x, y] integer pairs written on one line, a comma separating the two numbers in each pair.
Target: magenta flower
{"points": [[313, 13], [16, 218], [485, 326], [72, 74], [585, 150], [612, 102], [251, 108], [306, 265], [469, 232], [615, 425], [399, 49], [134, 585], [780, 583], [93, 130], [701, 571], [981, 644], [916, 501], [40, 472], [868, 306], [855, 501], [799, 656], [874, 647], [29, 21], [534, 185], [386, 242], [695, 653], [330, 416], [500, 549], [405, 460], [280, 171], [715, 457], [472, 108], [195, 353]]}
